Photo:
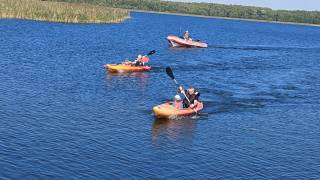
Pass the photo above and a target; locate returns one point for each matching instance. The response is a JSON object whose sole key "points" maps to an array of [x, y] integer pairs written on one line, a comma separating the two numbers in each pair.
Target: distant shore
{"points": [[60, 12], [65, 12], [227, 18]]}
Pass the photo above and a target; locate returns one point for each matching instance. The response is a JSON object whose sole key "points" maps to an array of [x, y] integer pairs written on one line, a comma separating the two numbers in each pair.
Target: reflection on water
{"points": [[140, 75], [140, 79], [173, 129]]}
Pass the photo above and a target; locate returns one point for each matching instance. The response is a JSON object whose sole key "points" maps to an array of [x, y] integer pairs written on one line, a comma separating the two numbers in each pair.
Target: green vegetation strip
{"points": [[60, 11], [215, 10]]}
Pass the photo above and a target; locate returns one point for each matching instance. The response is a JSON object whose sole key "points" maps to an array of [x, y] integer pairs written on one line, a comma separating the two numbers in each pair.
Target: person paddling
{"points": [[192, 97], [140, 61]]}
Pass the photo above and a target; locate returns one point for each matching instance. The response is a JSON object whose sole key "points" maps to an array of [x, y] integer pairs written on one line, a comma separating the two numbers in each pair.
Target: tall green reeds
{"points": [[60, 11]]}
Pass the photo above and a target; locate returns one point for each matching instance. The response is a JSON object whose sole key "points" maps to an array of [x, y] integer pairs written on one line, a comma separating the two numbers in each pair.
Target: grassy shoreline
{"points": [[64, 12], [74, 12], [226, 18], [212, 10]]}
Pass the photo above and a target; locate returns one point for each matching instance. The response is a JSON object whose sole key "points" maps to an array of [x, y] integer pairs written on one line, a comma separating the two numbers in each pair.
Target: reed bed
{"points": [[60, 12]]}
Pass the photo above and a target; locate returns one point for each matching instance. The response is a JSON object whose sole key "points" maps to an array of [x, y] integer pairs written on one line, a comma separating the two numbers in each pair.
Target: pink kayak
{"points": [[175, 41]]}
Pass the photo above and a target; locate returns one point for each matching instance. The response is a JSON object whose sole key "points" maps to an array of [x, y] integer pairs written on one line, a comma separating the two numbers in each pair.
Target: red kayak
{"points": [[175, 41]]}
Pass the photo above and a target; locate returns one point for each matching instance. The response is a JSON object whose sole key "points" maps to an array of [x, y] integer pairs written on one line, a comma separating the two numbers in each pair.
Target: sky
{"points": [[274, 4]]}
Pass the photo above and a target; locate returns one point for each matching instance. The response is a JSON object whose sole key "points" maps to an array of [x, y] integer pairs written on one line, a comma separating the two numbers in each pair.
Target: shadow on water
{"points": [[125, 80], [158, 69], [138, 75]]}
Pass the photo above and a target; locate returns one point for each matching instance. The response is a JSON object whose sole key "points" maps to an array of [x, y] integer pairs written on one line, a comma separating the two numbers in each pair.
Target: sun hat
{"points": [[177, 97]]}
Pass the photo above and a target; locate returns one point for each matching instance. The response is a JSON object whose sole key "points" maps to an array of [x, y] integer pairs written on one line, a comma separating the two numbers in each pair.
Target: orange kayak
{"points": [[175, 41], [167, 110], [126, 68]]}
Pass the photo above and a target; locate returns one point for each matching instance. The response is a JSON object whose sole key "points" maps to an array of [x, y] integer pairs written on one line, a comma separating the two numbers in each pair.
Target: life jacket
{"points": [[145, 59], [192, 97], [178, 104]]}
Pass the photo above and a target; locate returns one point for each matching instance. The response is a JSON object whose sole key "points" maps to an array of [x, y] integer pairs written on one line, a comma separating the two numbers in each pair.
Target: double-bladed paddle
{"points": [[170, 74], [151, 52]]}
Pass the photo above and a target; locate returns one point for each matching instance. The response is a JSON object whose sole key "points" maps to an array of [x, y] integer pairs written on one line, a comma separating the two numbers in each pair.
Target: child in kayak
{"points": [[192, 94], [178, 103], [140, 61]]}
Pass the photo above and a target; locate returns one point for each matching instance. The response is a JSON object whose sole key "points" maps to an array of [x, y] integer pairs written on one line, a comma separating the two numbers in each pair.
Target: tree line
{"points": [[210, 9]]}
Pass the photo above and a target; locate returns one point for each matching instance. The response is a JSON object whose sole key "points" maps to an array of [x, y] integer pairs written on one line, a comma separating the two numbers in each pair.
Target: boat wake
{"points": [[262, 48]]}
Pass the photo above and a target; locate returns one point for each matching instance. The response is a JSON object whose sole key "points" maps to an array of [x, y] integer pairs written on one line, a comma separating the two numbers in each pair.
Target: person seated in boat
{"points": [[138, 61], [186, 36], [144, 60], [192, 94], [178, 103], [141, 60]]}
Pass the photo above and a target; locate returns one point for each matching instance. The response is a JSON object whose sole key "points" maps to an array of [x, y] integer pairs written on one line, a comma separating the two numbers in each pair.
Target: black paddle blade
{"points": [[169, 72], [151, 52]]}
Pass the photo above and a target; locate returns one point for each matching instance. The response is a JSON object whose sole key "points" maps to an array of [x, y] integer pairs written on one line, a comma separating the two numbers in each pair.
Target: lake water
{"points": [[62, 116]]}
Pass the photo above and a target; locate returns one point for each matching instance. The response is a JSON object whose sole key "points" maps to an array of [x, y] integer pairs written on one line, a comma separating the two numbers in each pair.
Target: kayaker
{"points": [[192, 94], [187, 36], [144, 59], [141, 60], [178, 103], [138, 61]]}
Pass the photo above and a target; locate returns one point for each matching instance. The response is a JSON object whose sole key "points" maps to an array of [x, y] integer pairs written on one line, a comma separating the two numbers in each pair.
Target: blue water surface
{"points": [[62, 116]]}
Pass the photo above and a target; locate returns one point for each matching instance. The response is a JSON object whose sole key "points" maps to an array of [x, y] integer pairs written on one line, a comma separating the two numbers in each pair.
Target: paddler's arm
{"points": [[181, 90], [195, 101]]}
